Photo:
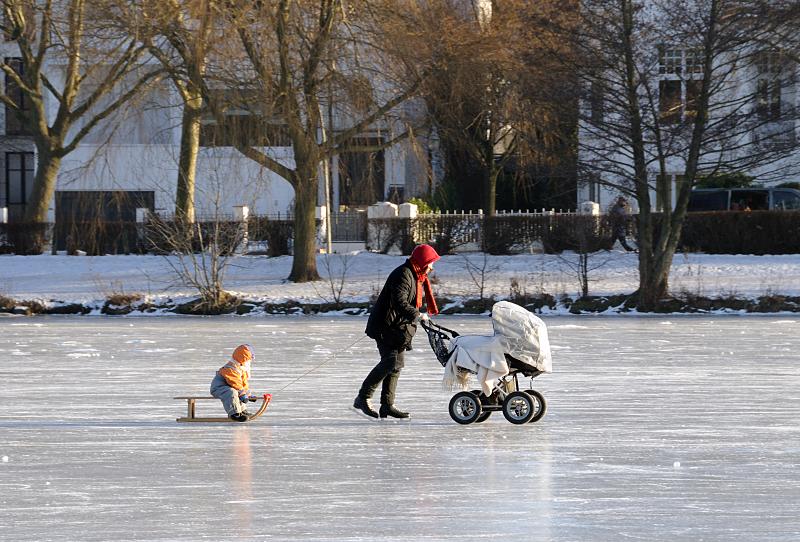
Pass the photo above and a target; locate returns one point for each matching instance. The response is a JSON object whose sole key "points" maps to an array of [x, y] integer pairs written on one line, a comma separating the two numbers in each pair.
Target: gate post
{"points": [[323, 236], [376, 232], [141, 220], [50, 231], [408, 212], [240, 216]]}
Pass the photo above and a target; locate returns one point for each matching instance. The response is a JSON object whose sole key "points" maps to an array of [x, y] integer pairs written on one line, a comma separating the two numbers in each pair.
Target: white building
{"points": [[136, 152], [753, 114]]}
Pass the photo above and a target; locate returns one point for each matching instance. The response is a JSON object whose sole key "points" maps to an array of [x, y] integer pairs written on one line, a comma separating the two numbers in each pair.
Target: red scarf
{"points": [[424, 286]]}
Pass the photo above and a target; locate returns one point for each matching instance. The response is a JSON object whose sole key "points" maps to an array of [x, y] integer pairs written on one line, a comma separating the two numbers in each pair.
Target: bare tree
{"points": [[680, 87], [299, 56], [200, 253], [479, 272], [182, 36], [69, 55], [490, 93], [585, 239], [337, 268]]}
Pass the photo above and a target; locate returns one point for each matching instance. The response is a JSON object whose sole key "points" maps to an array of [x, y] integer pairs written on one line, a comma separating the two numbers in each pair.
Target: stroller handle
{"points": [[431, 325]]}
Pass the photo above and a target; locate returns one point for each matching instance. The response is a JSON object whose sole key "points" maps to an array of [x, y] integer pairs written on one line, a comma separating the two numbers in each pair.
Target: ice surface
{"points": [[678, 429]]}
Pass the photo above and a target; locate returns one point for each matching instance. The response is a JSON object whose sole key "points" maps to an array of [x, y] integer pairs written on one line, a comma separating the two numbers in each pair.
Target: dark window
{"points": [[15, 124], [594, 191], [245, 130], [749, 200], [19, 177], [361, 173], [785, 201], [768, 99], [108, 205], [396, 194], [669, 101], [709, 201], [770, 66], [243, 123], [693, 87], [597, 102], [99, 222]]}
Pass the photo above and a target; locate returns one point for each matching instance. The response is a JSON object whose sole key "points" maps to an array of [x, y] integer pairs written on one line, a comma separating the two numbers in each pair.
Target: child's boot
{"points": [[242, 416]]}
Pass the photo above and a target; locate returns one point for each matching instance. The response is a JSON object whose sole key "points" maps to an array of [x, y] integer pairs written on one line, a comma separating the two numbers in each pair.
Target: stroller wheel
{"points": [[465, 407], [539, 405], [518, 408]]}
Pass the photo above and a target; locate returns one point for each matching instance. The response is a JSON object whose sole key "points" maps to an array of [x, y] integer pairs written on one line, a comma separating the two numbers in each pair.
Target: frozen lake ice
{"points": [[678, 428]]}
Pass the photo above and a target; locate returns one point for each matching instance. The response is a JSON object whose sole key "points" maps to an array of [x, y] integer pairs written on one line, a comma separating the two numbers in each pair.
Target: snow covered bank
{"points": [[91, 281]]}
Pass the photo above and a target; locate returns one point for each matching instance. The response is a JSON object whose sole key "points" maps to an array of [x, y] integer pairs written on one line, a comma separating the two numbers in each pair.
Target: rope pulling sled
{"points": [[191, 414]]}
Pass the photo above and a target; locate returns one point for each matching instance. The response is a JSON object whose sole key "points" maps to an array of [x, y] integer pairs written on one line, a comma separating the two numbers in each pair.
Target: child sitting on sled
{"points": [[230, 383]]}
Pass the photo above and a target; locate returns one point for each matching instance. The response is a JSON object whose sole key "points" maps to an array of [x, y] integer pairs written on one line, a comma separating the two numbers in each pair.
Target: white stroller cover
{"points": [[524, 335], [516, 332]]}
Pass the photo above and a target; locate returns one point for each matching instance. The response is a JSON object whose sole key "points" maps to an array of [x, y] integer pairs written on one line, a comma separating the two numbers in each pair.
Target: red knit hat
{"points": [[423, 255]]}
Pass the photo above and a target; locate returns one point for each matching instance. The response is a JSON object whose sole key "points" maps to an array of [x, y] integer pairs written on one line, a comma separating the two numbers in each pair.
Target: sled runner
{"points": [[518, 348], [191, 417]]}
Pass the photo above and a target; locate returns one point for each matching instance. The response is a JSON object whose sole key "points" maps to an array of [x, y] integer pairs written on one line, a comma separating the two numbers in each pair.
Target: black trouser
{"points": [[619, 235], [387, 370]]}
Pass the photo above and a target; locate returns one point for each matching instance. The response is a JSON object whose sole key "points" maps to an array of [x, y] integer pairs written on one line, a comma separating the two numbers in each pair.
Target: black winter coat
{"points": [[391, 321]]}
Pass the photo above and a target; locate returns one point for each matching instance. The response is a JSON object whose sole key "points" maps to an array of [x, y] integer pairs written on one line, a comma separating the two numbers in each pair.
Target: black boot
{"points": [[242, 416], [362, 405], [391, 412]]}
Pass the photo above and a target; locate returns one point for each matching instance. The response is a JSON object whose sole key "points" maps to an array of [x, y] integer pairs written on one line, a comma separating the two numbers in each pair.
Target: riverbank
{"points": [[148, 285]]}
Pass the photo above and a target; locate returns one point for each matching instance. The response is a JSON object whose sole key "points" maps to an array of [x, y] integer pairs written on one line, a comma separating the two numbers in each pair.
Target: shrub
{"points": [[740, 232]]}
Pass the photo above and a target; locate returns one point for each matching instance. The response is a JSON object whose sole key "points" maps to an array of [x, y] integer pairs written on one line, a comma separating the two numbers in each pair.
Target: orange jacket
{"points": [[237, 371], [235, 374]]}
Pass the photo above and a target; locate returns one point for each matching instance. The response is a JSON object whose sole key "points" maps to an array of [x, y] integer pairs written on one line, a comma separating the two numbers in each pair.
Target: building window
{"points": [[669, 101], [19, 177], [667, 188], [396, 194], [243, 123], [15, 124], [596, 102], [681, 73], [769, 85], [361, 173], [593, 191], [670, 61]]}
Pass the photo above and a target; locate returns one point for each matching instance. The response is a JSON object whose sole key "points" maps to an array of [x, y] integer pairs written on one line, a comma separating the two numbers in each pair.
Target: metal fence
{"points": [[503, 233], [349, 227]]}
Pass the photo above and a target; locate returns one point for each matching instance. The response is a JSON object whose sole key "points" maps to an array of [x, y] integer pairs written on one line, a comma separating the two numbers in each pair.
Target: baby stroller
{"points": [[519, 348]]}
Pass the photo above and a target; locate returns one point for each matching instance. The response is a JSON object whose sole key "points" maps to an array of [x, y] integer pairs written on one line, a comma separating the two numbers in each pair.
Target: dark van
{"points": [[744, 199]]}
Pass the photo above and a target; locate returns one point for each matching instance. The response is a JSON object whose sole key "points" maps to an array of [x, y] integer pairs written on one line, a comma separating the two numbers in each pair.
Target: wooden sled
{"points": [[191, 417]]}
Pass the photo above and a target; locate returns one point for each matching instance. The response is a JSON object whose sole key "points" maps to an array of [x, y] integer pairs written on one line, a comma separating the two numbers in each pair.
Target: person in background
{"points": [[620, 216], [230, 384], [392, 323]]}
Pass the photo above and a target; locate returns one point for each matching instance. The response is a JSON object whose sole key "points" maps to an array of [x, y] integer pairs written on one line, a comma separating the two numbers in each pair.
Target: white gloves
{"points": [[423, 317]]}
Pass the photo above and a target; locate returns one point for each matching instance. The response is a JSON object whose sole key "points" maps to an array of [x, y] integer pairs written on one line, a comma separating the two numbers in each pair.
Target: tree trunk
{"points": [[653, 287], [490, 203], [44, 186], [304, 262], [187, 161]]}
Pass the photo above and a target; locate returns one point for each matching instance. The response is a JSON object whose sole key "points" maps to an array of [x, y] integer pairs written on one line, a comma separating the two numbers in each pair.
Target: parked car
{"points": [[744, 199]]}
